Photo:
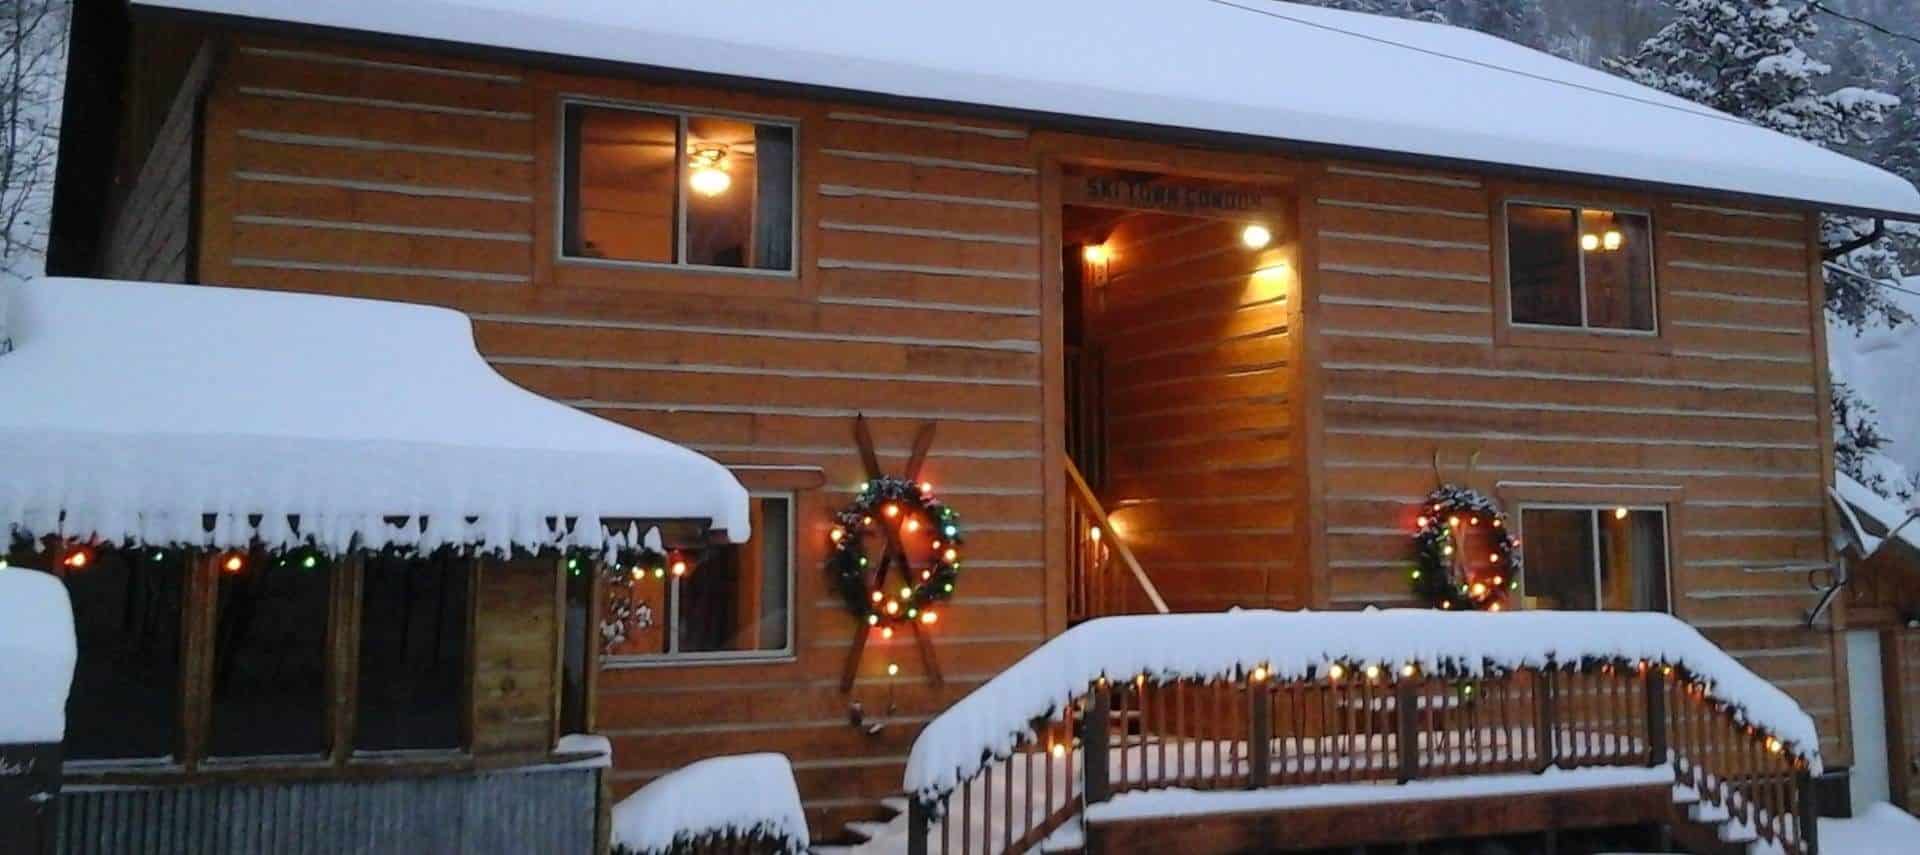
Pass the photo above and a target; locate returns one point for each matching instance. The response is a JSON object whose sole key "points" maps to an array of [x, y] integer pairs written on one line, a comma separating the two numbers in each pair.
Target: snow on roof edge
{"points": [[130, 411], [1882, 510], [1698, 153], [991, 720]]}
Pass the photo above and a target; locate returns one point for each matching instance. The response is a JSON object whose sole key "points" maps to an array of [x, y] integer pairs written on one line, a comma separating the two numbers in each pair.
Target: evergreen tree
{"points": [[1745, 57], [1521, 21]]}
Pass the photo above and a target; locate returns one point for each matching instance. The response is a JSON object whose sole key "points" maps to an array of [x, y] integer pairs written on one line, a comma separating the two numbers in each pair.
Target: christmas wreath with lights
{"points": [[1444, 574], [907, 518]]}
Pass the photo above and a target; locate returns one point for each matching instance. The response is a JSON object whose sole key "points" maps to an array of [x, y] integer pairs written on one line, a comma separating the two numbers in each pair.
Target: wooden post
{"points": [[917, 826], [1808, 810], [1260, 734], [1094, 738], [1547, 720], [1406, 714], [1656, 688]]}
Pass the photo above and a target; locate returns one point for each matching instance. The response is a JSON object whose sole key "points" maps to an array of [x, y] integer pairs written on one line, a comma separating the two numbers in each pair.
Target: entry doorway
{"points": [[1180, 366]]}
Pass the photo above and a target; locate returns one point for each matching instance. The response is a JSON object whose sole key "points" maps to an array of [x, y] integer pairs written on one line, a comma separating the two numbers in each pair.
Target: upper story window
{"points": [[1583, 268], [1585, 558], [654, 186]]}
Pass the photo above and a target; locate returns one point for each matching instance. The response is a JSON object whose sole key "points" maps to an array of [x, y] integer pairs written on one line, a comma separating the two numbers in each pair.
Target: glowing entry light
{"points": [[1095, 253], [1256, 236]]}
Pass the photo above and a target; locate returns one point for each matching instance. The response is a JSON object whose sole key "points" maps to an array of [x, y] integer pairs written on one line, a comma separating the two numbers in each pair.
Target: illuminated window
{"points": [[659, 187], [1580, 267], [1580, 559], [734, 601]]}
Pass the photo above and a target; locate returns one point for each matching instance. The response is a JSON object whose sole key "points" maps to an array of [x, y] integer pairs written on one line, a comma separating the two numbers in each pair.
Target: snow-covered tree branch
{"points": [[33, 59]]}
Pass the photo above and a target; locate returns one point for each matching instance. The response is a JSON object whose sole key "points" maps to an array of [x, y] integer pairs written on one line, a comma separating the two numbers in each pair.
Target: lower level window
{"points": [[270, 658], [413, 653], [125, 702], [1584, 558], [734, 601]]}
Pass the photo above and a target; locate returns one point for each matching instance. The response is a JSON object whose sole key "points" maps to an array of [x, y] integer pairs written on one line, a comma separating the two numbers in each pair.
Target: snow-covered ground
{"points": [[1882, 830]]}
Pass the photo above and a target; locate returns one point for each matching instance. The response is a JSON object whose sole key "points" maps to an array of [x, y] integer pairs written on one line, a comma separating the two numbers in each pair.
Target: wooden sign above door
{"points": [[1171, 194]]}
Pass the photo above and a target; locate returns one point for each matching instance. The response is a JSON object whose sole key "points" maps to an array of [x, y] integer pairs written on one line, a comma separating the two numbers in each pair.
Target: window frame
{"points": [[1593, 527], [789, 652], [1505, 233], [681, 114]]}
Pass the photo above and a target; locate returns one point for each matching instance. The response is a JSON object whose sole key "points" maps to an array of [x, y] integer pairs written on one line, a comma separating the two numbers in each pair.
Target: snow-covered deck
{"points": [[129, 411]]}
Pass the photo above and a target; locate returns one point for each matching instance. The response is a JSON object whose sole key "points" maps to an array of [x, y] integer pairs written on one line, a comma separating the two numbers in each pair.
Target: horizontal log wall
{"points": [[921, 296], [1721, 417], [368, 173]]}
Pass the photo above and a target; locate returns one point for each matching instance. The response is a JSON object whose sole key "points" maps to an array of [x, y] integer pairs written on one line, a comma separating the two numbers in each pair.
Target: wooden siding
{"points": [[1201, 369], [353, 171], [1721, 416], [922, 293], [1900, 667]]}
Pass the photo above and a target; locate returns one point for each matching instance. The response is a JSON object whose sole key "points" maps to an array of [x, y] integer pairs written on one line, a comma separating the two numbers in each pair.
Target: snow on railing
{"points": [[989, 724], [741, 803]]}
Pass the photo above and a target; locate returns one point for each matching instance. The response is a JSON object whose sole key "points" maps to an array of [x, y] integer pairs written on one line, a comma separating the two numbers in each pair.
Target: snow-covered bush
{"points": [[748, 796]]}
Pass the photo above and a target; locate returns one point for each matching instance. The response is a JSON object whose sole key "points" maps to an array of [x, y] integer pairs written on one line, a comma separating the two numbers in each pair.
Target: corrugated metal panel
{"points": [[515, 811]]}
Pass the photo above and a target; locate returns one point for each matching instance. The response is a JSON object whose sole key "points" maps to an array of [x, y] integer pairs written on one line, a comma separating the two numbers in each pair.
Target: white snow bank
{"points": [[991, 719], [744, 794], [36, 656], [1245, 67], [130, 410], [1180, 802], [1882, 830]]}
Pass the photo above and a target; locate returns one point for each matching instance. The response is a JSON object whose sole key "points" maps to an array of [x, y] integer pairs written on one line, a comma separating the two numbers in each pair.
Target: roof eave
{"points": [[1041, 119]]}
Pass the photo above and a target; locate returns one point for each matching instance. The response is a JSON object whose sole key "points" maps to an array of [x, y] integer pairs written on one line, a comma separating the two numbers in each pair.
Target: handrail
{"points": [[1102, 534], [1371, 725]]}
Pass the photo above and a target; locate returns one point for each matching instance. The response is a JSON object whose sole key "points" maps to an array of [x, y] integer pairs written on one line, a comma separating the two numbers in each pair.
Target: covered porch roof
{"points": [[1247, 70], [130, 412]]}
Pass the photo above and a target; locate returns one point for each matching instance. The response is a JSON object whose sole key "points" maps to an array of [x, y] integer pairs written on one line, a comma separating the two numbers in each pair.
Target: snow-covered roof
{"points": [[1245, 67], [129, 410], [1885, 513], [36, 642]]}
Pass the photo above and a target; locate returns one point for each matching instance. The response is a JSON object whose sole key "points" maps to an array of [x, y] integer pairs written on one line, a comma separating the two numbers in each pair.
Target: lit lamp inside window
{"points": [[709, 166], [1610, 241], [1256, 236]]}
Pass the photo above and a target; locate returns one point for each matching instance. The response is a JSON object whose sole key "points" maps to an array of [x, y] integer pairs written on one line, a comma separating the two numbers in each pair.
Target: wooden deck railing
{"points": [[1103, 577], [1367, 724]]}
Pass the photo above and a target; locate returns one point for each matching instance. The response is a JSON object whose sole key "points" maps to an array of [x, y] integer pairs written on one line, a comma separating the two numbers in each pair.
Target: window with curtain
{"points": [[1585, 558], [1580, 267], [662, 187], [735, 601]]}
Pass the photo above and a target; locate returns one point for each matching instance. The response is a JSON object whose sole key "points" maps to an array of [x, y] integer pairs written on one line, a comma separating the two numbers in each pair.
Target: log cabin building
{"points": [[1241, 282]]}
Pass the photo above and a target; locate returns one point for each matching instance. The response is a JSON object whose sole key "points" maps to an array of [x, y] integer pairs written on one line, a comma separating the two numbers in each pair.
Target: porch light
{"points": [[234, 563], [1620, 513], [709, 176], [1590, 242], [1612, 240], [1256, 236], [1095, 253], [1059, 749]]}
